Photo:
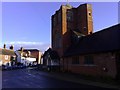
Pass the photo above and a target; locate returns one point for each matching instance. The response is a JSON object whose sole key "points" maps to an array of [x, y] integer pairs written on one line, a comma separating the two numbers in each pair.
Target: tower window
{"points": [[84, 28], [54, 21], [58, 40], [59, 17], [69, 15]]}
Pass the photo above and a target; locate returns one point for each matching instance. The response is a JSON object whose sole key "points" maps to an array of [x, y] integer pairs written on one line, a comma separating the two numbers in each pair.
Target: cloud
{"points": [[29, 45], [26, 43]]}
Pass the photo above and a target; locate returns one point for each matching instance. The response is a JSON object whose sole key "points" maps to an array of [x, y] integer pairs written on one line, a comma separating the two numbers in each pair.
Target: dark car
{"points": [[14, 67], [4, 67]]}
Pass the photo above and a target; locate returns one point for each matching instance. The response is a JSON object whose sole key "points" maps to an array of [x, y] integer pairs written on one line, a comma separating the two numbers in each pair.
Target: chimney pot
{"points": [[4, 46], [11, 47], [22, 49]]}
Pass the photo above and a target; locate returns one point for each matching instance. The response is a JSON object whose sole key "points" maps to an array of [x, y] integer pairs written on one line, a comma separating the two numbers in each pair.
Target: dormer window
{"points": [[89, 13]]}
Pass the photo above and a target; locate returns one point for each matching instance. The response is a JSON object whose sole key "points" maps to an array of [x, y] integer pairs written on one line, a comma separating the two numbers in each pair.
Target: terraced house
{"points": [[25, 57], [80, 49], [7, 56]]}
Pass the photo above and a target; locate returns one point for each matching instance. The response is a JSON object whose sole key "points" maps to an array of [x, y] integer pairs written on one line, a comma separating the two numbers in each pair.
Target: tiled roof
{"points": [[20, 52], [6, 52], [101, 41], [24, 54], [32, 56], [29, 50]]}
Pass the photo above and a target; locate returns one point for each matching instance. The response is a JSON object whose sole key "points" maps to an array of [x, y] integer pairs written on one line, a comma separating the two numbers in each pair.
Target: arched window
{"points": [[59, 17]]}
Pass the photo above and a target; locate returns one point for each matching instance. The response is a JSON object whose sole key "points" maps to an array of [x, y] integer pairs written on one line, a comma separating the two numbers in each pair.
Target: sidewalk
{"points": [[73, 78]]}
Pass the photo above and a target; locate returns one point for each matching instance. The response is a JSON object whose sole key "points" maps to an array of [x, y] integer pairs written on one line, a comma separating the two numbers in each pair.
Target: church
{"points": [[80, 49]]}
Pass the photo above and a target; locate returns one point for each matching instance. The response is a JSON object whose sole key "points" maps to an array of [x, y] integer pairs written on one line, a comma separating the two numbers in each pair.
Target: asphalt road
{"points": [[26, 78]]}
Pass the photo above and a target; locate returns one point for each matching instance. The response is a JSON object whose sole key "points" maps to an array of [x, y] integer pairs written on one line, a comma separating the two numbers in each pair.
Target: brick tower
{"points": [[67, 19]]}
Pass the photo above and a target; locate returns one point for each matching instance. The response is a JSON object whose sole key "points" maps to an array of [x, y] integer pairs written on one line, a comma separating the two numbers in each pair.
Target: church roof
{"points": [[78, 34], [101, 41], [53, 54]]}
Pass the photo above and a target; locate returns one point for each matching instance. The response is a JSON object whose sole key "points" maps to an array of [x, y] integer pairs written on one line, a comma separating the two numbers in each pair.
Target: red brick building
{"points": [[7, 56], [68, 19], [97, 54], [82, 51], [34, 53]]}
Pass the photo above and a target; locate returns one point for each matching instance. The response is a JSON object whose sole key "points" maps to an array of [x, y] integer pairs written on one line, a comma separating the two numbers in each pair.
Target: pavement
{"points": [[72, 78]]}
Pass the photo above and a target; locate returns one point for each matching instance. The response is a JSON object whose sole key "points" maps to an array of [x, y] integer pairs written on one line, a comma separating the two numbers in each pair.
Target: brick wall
{"points": [[101, 61], [35, 54]]}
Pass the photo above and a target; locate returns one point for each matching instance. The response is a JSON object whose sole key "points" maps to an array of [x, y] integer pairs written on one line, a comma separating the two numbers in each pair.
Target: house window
{"points": [[75, 60], [12, 58], [29, 53], [0, 62], [88, 60], [6, 57]]}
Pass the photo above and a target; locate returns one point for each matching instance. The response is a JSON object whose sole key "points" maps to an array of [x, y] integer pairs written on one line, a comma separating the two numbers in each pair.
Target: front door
{"points": [[118, 65]]}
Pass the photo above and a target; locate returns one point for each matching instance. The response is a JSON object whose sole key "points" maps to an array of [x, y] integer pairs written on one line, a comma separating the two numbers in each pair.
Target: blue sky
{"points": [[28, 24]]}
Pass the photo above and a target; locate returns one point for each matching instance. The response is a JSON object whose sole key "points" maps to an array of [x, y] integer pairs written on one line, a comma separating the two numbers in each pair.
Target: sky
{"points": [[28, 24]]}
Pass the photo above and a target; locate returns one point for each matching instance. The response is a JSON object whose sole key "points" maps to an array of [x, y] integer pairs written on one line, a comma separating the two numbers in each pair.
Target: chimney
{"points": [[11, 47], [22, 49], [4, 46], [29, 53]]}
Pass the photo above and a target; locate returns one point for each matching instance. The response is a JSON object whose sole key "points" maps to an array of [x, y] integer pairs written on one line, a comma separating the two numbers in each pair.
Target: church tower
{"points": [[67, 19]]}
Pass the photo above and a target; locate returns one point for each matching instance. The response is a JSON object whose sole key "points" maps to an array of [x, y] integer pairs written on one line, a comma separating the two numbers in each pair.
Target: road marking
{"points": [[30, 74]]}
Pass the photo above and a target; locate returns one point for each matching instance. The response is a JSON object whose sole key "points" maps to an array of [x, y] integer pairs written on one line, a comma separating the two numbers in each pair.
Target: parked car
{"points": [[9, 67], [14, 67], [4, 67]]}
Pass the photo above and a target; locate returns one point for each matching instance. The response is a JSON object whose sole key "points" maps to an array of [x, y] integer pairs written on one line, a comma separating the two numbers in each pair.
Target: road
{"points": [[27, 78]]}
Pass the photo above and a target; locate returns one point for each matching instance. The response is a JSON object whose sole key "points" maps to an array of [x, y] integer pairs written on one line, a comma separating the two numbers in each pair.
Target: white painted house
{"points": [[24, 58]]}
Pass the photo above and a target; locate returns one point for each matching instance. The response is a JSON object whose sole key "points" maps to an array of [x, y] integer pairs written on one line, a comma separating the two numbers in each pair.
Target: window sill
{"points": [[91, 65], [85, 65]]}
